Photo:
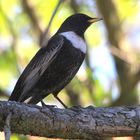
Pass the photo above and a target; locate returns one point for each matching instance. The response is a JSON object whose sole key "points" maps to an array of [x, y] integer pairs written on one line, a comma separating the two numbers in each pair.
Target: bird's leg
{"points": [[55, 95], [44, 105]]}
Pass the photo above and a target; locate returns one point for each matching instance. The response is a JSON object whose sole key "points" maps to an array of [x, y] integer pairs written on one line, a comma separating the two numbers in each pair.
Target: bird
{"points": [[56, 63]]}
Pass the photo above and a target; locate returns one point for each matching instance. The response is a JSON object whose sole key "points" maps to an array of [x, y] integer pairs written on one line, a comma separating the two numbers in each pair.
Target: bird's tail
{"points": [[14, 96], [37, 98], [33, 98]]}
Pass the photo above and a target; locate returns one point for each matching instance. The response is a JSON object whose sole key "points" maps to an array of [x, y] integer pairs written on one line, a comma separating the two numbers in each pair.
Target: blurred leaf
{"points": [[93, 35], [99, 93], [25, 52], [7, 67], [127, 8], [3, 27]]}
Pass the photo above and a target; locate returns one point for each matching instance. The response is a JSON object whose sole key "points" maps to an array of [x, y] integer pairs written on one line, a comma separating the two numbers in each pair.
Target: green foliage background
{"points": [[20, 36]]}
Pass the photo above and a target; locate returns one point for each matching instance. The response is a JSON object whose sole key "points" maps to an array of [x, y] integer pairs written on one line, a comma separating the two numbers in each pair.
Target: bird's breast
{"points": [[62, 69], [76, 41]]}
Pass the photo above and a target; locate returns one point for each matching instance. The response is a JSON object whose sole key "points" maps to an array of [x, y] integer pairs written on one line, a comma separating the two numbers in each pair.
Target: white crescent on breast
{"points": [[77, 41]]}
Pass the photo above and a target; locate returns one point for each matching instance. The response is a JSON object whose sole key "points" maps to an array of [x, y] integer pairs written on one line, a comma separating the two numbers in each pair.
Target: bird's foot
{"points": [[47, 106], [60, 101]]}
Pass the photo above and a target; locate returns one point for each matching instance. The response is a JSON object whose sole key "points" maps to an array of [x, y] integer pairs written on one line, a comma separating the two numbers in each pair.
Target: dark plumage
{"points": [[55, 64]]}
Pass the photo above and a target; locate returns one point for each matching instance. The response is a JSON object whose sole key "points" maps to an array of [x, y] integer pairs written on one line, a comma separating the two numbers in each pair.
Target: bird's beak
{"points": [[94, 20]]}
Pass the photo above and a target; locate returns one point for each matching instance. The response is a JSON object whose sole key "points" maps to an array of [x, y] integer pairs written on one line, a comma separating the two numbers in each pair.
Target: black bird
{"points": [[55, 64]]}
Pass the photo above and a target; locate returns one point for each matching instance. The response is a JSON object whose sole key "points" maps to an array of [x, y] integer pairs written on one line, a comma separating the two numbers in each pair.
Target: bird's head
{"points": [[77, 23]]}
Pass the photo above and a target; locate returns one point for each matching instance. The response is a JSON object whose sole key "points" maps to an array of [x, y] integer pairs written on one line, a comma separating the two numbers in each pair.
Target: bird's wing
{"points": [[36, 68]]}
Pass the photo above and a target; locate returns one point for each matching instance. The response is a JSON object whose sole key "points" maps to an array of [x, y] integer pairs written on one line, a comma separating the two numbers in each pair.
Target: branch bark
{"points": [[44, 36], [73, 123], [32, 16]]}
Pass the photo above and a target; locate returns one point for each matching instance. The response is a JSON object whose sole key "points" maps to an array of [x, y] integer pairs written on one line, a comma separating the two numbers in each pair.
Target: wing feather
{"points": [[36, 68]]}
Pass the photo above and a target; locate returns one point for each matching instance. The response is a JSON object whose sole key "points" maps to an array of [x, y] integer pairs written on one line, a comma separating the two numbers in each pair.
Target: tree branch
{"points": [[32, 16], [73, 123], [44, 36], [7, 130], [122, 49]]}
